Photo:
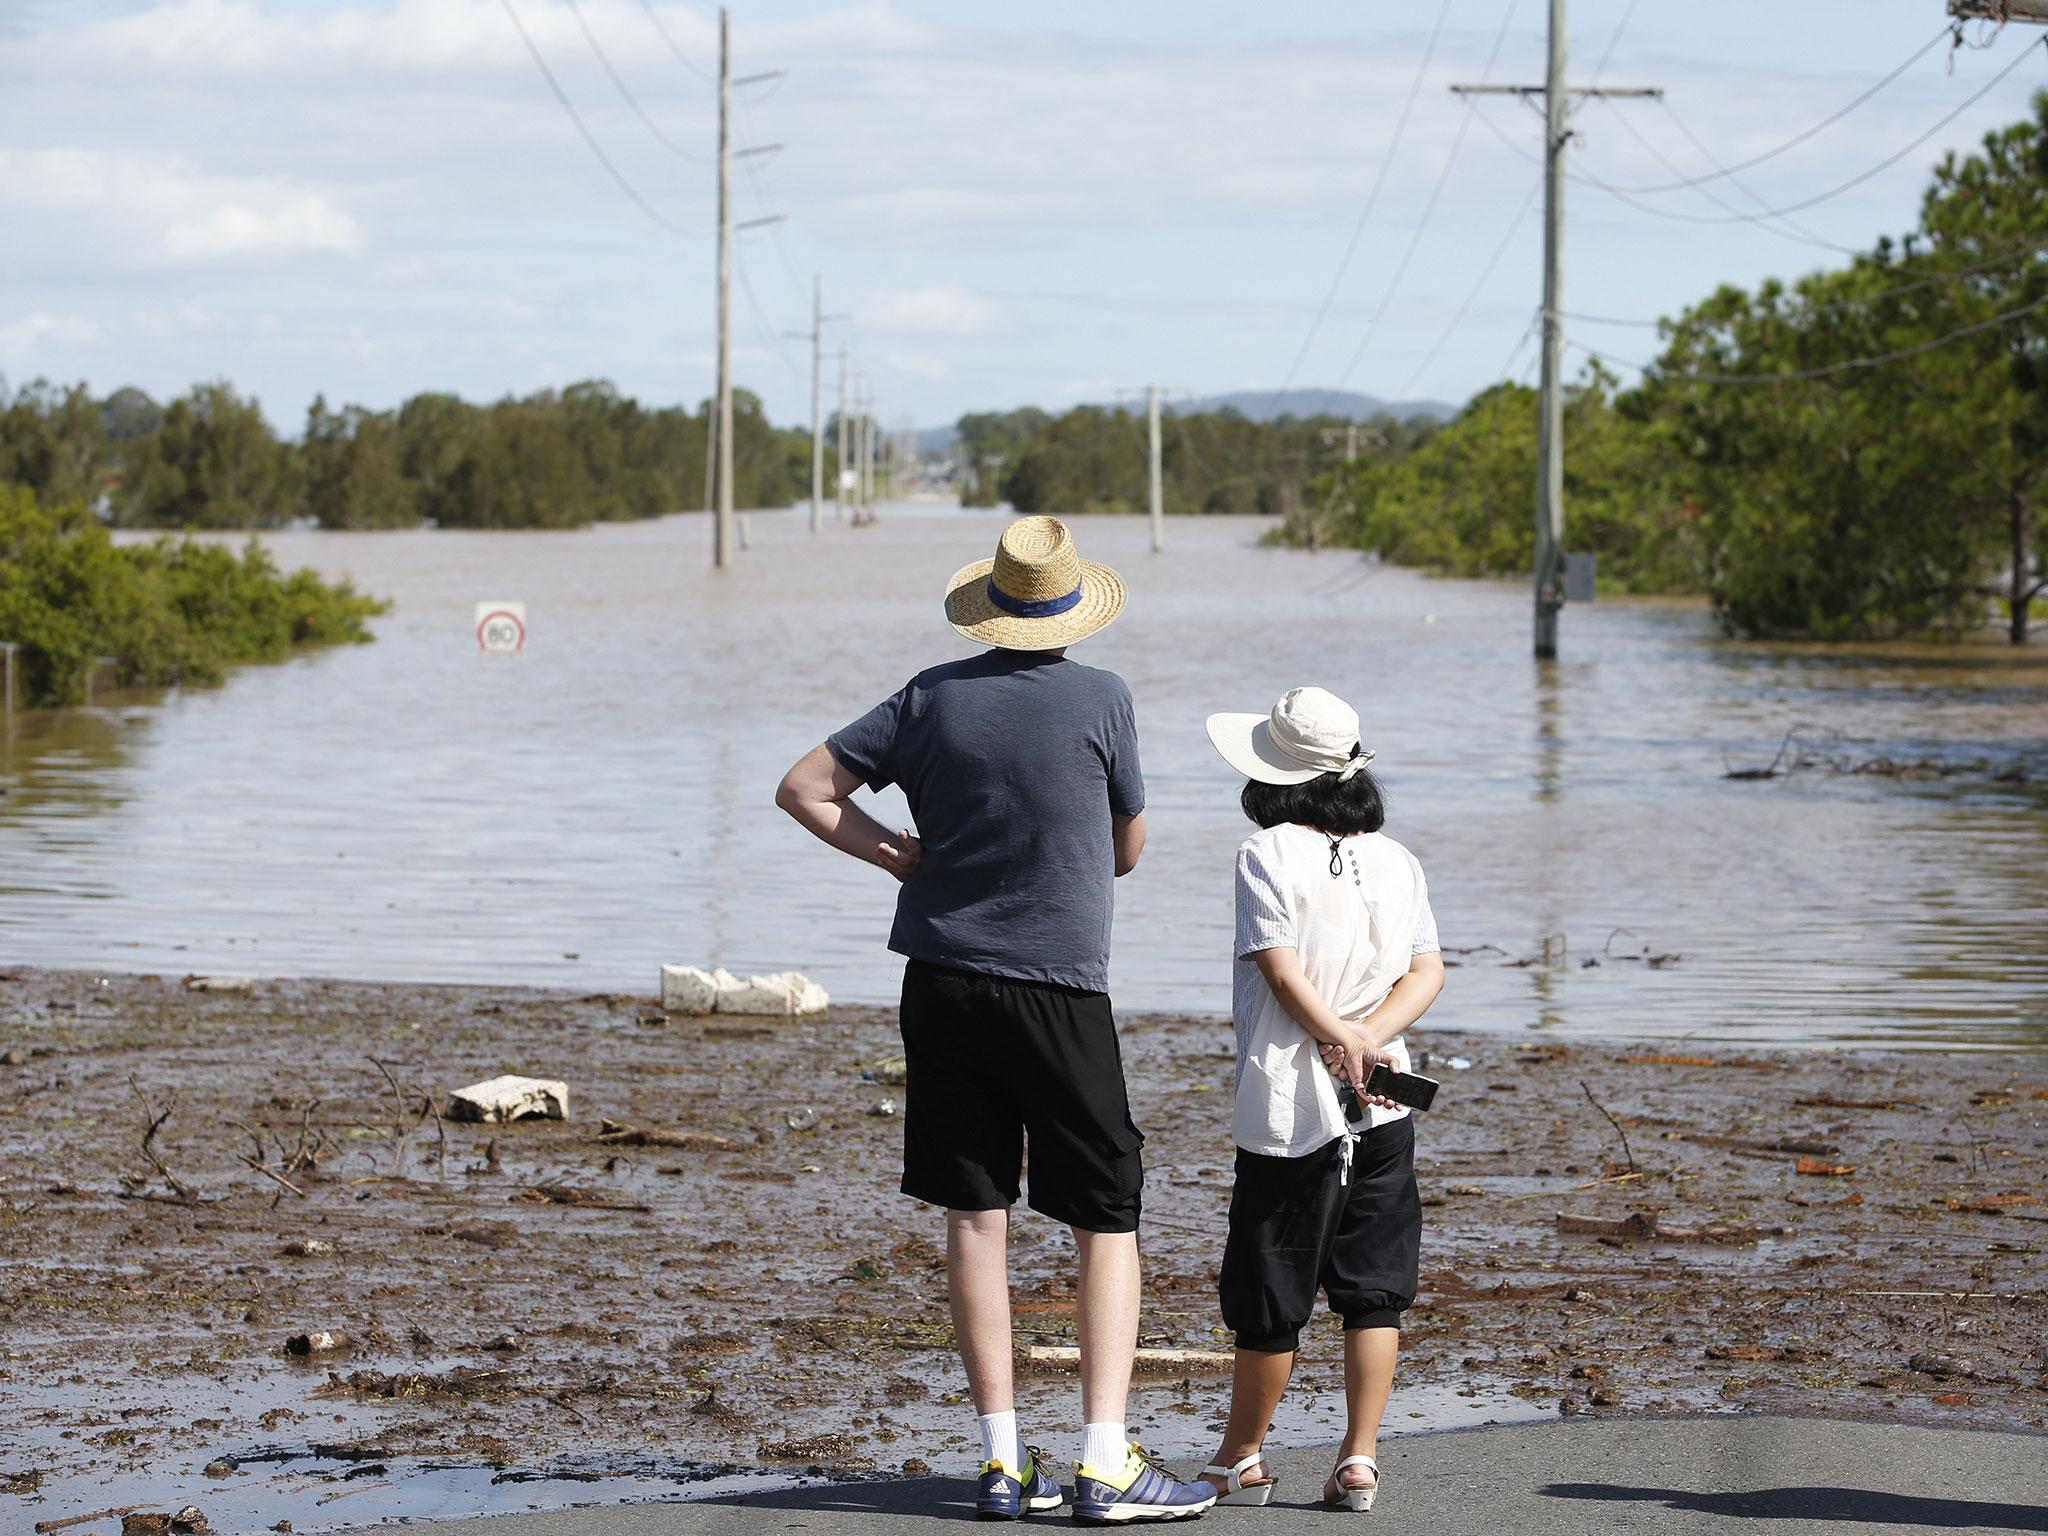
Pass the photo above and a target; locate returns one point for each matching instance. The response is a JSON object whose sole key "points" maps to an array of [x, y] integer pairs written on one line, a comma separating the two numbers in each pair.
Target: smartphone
{"points": [[1402, 1087]]}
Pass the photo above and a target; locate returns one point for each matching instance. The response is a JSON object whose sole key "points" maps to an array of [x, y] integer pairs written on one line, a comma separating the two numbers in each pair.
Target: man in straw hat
{"points": [[1021, 769]]}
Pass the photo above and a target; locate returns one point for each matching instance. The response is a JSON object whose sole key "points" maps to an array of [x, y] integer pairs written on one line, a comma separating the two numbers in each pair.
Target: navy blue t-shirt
{"points": [[1013, 763]]}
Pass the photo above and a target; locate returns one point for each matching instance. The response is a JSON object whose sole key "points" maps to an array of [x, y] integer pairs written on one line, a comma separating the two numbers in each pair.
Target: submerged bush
{"points": [[176, 611]]}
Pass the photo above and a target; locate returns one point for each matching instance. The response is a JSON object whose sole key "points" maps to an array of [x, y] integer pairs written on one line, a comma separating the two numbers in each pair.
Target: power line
{"points": [[1778, 224], [1614, 41], [1847, 365], [1833, 192], [1472, 293], [582, 128], [1422, 224], [1797, 139], [681, 57], [2019, 252], [631, 100], [1371, 200]]}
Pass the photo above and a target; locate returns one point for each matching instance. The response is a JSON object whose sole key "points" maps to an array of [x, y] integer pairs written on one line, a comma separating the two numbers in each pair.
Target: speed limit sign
{"points": [[501, 627]]}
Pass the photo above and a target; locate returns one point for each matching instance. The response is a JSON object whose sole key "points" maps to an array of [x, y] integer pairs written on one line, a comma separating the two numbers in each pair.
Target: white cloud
{"points": [[148, 206], [938, 309], [302, 223]]}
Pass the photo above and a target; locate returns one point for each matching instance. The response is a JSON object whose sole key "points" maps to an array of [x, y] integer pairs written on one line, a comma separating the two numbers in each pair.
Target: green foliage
{"points": [[176, 611], [212, 463], [551, 460], [1762, 462], [51, 440], [989, 440], [1093, 459]]}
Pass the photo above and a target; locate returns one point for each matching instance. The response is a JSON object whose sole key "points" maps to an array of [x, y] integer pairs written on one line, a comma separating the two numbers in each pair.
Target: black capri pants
{"points": [[1296, 1226]]}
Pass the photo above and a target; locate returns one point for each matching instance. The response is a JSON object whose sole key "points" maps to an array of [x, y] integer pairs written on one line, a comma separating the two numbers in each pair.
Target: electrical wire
{"points": [[2025, 248], [1797, 139], [1847, 365], [1371, 201], [631, 100], [1836, 191], [768, 332], [1472, 293], [589, 138], [1422, 224], [1614, 41], [1780, 225], [681, 57]]}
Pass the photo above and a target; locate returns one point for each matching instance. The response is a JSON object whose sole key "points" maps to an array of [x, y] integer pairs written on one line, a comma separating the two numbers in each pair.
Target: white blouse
{"points": [[1356, 932]]}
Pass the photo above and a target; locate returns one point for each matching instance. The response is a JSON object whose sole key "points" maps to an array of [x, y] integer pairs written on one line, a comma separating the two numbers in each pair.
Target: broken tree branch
{"points": [[1626, 1151]]}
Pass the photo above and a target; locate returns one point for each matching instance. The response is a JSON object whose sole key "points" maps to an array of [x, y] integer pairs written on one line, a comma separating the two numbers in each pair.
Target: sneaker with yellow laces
{"points": [[1141, 1489]]}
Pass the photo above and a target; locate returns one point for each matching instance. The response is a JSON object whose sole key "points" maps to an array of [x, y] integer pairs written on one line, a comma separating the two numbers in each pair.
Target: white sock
{"points": [[1104, 1448], [999, 1440]]}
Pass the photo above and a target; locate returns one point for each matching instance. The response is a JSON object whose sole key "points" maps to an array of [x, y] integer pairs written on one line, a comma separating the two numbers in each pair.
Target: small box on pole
{"points": [[1581, 577]]}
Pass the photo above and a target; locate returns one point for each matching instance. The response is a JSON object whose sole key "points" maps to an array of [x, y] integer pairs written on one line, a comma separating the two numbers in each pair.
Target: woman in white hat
{"points": [[1337, 955]]}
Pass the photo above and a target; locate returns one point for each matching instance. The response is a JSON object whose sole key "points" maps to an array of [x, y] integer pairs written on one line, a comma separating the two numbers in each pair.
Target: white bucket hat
{"points": [[1310, 732]]}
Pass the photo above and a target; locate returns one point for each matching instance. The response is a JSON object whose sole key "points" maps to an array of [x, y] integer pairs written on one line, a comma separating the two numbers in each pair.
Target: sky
{"points": [[1012, 203]]}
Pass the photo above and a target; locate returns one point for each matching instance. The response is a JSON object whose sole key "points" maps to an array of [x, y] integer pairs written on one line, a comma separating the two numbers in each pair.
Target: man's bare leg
{"points": [[1106, 1317], [978, 1285]]}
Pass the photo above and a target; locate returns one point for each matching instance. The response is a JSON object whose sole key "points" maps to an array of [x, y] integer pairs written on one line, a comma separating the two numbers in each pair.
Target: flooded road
{"points": [[578, 814]]}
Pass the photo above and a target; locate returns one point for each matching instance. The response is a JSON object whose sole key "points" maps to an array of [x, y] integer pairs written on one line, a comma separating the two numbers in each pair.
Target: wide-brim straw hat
{"points": [[1309, 733], [1037, 594]]}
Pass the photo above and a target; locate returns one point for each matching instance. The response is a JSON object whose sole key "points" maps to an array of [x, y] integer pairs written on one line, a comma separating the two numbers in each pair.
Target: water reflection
{"points": [[601, 804]]}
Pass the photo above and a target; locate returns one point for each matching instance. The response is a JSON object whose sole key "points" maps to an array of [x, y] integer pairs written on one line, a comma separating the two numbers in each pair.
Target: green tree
{"points": [[350, 474], [52, 440], [213, 462], [1988, 211]]}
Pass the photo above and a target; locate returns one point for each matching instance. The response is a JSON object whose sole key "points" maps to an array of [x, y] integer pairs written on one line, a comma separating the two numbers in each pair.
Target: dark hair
{"points": [[1326, 802]]}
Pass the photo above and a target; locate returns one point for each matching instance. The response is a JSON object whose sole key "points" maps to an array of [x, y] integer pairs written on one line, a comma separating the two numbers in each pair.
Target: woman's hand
{"points": [[1353, 1060]]}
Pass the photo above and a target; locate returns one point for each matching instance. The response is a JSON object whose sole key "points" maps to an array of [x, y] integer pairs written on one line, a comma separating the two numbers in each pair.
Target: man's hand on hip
{"points": [[900, 857]]}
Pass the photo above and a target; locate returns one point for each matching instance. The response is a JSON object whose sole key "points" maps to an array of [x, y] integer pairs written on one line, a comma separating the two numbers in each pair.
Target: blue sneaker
{"points": [[999, 1496], [1142, 1489]]}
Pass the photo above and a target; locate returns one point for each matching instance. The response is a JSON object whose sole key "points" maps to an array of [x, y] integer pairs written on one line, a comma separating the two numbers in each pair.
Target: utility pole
{"points": [[867, 449], [839, 490], [722, 538], [816, 337], [1549, 562], [1158, 491]]}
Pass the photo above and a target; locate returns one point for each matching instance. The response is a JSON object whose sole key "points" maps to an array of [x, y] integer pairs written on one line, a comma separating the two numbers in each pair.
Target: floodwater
{"points": [[578, 814]]}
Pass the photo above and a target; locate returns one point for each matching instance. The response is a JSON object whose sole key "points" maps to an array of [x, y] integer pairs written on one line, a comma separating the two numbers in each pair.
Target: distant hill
{"points": [[1271, 405]]}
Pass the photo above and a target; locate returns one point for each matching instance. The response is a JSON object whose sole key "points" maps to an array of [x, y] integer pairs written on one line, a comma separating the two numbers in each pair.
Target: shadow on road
{"points": [[936, 1498], [1853, 1505]]}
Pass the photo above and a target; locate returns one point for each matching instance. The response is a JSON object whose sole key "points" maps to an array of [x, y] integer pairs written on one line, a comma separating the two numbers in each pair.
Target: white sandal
{"points": [[1347, 1496], [1235, 1489]]}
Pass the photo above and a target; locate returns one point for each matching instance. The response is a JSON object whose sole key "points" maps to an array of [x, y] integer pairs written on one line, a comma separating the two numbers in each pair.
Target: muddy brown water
{"points": [[414, 811], [538, 1317]]}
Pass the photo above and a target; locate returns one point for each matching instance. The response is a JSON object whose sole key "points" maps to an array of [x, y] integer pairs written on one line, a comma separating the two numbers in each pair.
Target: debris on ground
{"points": [[501, 1099], [784, 994]]}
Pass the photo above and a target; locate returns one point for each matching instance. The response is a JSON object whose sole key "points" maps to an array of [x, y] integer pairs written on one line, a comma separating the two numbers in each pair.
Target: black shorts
{"points": [[1295, 1225], [992, 1061]]}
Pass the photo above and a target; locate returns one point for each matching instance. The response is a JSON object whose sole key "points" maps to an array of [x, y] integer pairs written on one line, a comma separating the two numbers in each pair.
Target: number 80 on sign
{"points": [[501, 628]]}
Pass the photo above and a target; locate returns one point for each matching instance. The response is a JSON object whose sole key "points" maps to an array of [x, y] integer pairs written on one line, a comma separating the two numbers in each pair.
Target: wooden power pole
{"points": [[722, 538], [1549, 562], [839, 490], [1158, 490]]}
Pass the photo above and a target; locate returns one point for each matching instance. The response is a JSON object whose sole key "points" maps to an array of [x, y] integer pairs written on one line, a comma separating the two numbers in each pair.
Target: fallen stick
{"points": [[616, 1133], [98, 1514], [274, 1177], [1538, 1194], [1065, 1357], [156, 1123], [1613, 1122]]}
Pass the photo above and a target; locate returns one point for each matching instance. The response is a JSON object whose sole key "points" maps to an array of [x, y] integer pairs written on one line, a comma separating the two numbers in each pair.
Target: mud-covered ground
{"points": [[1855, 1234]]}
